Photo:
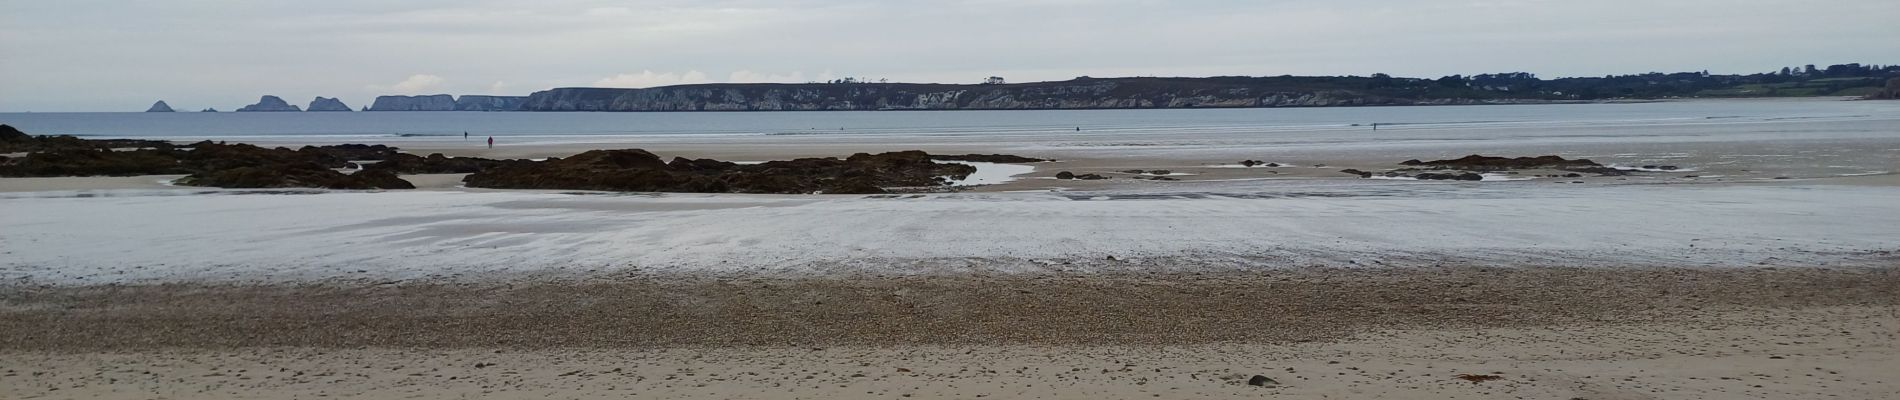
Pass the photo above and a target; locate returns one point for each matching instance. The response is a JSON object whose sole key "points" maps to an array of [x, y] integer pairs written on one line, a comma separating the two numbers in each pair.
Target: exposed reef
{"points": [[640, 171]]}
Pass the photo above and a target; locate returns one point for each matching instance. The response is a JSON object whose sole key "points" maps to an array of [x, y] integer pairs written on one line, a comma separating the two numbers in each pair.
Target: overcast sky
{"points": [[93, 55]]}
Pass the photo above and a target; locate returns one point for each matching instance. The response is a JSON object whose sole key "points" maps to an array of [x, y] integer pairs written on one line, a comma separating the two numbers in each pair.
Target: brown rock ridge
{"points": [[640, 171]]}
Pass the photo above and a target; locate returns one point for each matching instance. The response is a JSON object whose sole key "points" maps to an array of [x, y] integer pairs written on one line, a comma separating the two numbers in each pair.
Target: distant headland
{"points": [[853, 94]]}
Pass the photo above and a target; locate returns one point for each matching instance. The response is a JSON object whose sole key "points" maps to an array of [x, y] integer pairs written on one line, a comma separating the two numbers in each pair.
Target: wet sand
{"points": [[1664, 333]]}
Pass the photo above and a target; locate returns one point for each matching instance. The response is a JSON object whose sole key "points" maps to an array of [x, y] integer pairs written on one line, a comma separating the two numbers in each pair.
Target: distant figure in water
{"points": [[1078, 129], [491, 142], [464, 136], [1375, 126]]}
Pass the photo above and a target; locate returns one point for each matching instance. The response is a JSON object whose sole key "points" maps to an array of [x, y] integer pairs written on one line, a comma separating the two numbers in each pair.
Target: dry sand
{"points": [[1651, 333]]}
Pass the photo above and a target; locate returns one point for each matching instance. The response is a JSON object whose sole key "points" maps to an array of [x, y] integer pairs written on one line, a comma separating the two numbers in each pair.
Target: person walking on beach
{"points": [[491, 142]]}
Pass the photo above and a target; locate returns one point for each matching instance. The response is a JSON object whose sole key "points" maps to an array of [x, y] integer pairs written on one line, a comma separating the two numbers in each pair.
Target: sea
{"points": [[1293, 123]]}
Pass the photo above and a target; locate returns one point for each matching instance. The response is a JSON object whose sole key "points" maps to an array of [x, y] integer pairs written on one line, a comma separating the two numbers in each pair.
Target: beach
{"points": [[1748, 257], [1640, 333]]}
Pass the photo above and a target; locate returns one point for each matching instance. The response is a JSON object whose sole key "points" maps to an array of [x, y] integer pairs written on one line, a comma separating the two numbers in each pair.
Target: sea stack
{"points": [[209, 110], [327, 104], [269, 103], [160, 106]]}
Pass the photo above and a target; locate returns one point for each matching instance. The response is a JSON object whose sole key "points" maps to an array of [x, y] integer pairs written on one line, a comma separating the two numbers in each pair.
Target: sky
{"points": [[121, 55]]}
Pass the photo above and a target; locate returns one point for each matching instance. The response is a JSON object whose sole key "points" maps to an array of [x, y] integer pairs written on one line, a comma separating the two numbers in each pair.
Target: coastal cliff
{"points": [[437, 102], [1084, 93], [489, 103], [1890, 92], [269, 103], [443, 102], [328, 104]]}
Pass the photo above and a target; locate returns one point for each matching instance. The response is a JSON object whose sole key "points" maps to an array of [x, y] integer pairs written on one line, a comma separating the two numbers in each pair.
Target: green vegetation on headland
{"points": [[1216, 92], [1841, 80]]}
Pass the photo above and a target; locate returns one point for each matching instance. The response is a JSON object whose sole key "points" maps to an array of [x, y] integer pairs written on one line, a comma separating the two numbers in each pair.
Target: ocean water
{"points": [[1292, 123], [1752, 139]]}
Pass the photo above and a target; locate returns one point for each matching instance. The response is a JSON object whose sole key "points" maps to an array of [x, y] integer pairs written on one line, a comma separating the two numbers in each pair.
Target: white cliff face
{"points": [[160, 106], [269, 103], [328, 104]]}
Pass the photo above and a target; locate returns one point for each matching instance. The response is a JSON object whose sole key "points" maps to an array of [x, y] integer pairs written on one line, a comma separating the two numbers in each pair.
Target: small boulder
{"points": [[1262, 380], [1361, 174], [1065, 175]]}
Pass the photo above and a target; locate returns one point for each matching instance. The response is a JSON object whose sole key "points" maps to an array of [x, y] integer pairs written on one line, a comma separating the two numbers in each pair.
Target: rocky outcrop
{"points": [[436, 163], [438, 102], [1891, 92], [489, 103], [160, 106], [1465, 176], [10, 135], [269, 103], [1081, 93], [12, 140], [327, 104], [1482, 163], [203, 163], [640, 171], [209, 110], [988, 158], [1086, 177]]}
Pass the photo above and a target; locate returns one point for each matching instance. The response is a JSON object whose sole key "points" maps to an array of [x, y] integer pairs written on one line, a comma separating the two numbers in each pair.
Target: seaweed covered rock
{"points": [[1483, 163], [350, 152], [613, 170], [1467, 176], [13, 140], [11, 135], [436, 163], [206, 163], [641, 171], [988, 158], [92, 162]]}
